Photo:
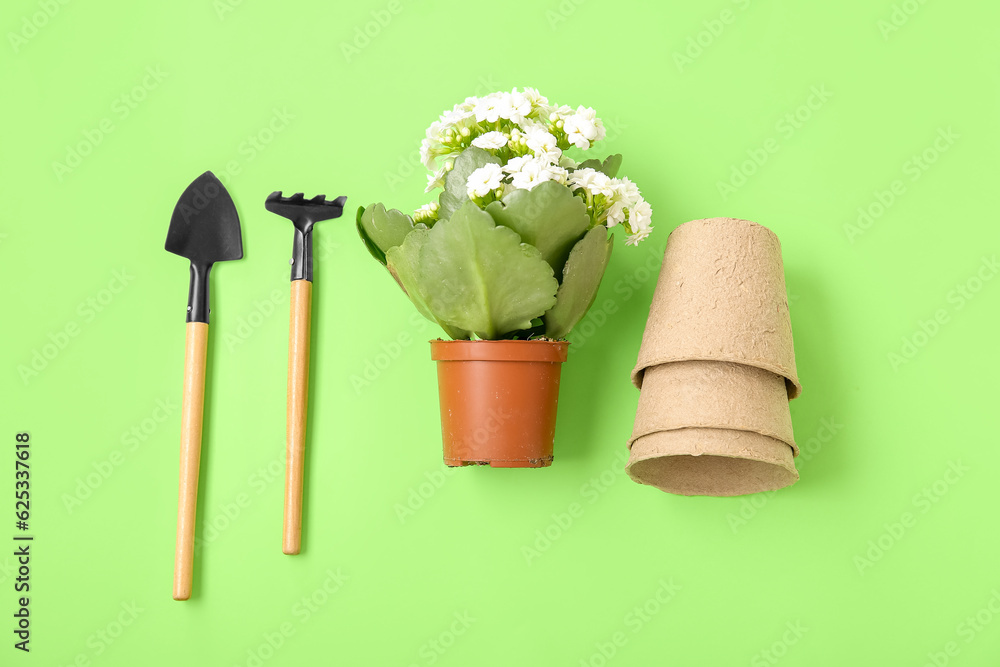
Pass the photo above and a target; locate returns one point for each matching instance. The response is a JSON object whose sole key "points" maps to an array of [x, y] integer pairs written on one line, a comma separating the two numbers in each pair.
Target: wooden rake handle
{"points": [[298, 395], [192, 412]]}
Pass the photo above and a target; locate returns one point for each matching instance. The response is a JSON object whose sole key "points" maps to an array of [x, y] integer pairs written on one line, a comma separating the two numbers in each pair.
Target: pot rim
{"points": [[552, 351]]}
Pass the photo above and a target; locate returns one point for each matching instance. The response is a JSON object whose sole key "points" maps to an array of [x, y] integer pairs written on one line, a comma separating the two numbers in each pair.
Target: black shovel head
{"points": [[205, 227]]}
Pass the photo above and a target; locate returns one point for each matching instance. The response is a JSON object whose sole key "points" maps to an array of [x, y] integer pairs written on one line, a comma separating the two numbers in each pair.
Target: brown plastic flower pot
{"points": [[498, 400]]}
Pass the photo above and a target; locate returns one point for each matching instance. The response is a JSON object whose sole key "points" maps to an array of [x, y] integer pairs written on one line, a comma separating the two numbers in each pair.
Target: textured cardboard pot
{"points": [[713, 394], [498, 400], [711, 462], [721, 296]]}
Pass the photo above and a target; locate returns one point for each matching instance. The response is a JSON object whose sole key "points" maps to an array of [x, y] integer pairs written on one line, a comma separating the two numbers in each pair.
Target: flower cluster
{"points": [[528, 136], [614, 201]]}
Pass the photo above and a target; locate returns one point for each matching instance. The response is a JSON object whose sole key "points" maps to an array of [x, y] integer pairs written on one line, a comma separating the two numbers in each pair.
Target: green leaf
{"points": [[456, 191], [548, 217], [375, 251], [537, 329], [581, 279], [403, 264], [474, 275], [610, 166], [383, 229]]}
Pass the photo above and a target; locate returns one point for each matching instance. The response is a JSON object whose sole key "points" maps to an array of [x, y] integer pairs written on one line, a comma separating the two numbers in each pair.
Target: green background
{"points": [[830, 556]]}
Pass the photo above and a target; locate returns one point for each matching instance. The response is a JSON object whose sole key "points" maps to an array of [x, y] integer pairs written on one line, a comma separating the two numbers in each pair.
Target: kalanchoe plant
{"points": [[517, 242]]}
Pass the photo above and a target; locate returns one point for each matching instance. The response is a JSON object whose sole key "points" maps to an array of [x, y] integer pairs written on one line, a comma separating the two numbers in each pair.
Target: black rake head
{"points": [[304, 212]]}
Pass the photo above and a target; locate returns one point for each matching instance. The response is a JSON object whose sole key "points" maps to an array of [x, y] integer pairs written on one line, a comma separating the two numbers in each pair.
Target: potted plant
{"points": [[507, 260]]}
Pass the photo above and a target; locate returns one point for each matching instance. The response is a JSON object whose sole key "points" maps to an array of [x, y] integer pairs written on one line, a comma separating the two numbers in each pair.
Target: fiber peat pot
{"points": [[498, 400]]}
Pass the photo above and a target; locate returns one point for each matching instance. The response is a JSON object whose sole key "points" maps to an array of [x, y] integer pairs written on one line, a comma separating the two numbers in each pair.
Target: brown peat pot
{"points": [[498, 400]]}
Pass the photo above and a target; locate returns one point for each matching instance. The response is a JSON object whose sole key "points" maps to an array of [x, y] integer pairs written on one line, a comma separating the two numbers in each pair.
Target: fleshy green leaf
{"points": [[375, 251], [456, 191], [548, 217], [474, 275], [383, 228], [403, 264], [610, 166], [581, 279]]}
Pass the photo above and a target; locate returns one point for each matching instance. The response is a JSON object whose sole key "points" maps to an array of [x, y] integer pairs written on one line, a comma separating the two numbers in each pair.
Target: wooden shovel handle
{"points": [[298, 395], [192, 411]]}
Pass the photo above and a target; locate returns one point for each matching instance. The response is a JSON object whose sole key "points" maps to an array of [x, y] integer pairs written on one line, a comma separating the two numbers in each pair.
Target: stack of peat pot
{"points": [[716, 368]]}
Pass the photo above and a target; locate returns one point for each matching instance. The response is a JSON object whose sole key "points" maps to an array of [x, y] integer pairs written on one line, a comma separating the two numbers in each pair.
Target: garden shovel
{"points": [[204, 228], [303, 213]]}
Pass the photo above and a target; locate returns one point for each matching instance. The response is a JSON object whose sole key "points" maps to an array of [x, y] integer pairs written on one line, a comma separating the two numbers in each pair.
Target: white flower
{"points": [[627, 191], [457, 117], [531, 172], [543, 144], [515, 164], [640, 216], [626, 195], [593, 181], [616, 213], [528, 176], [638, 236], [517, 139], [433, 146], [557, 174], [483, 180], [426, 212], [583, 127], [490, 140], [426, 158], [560, 113], [493, 107], [436, 131], [529, 124], [537, 99], [436, 180], [450, 125], [520, 106]]}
